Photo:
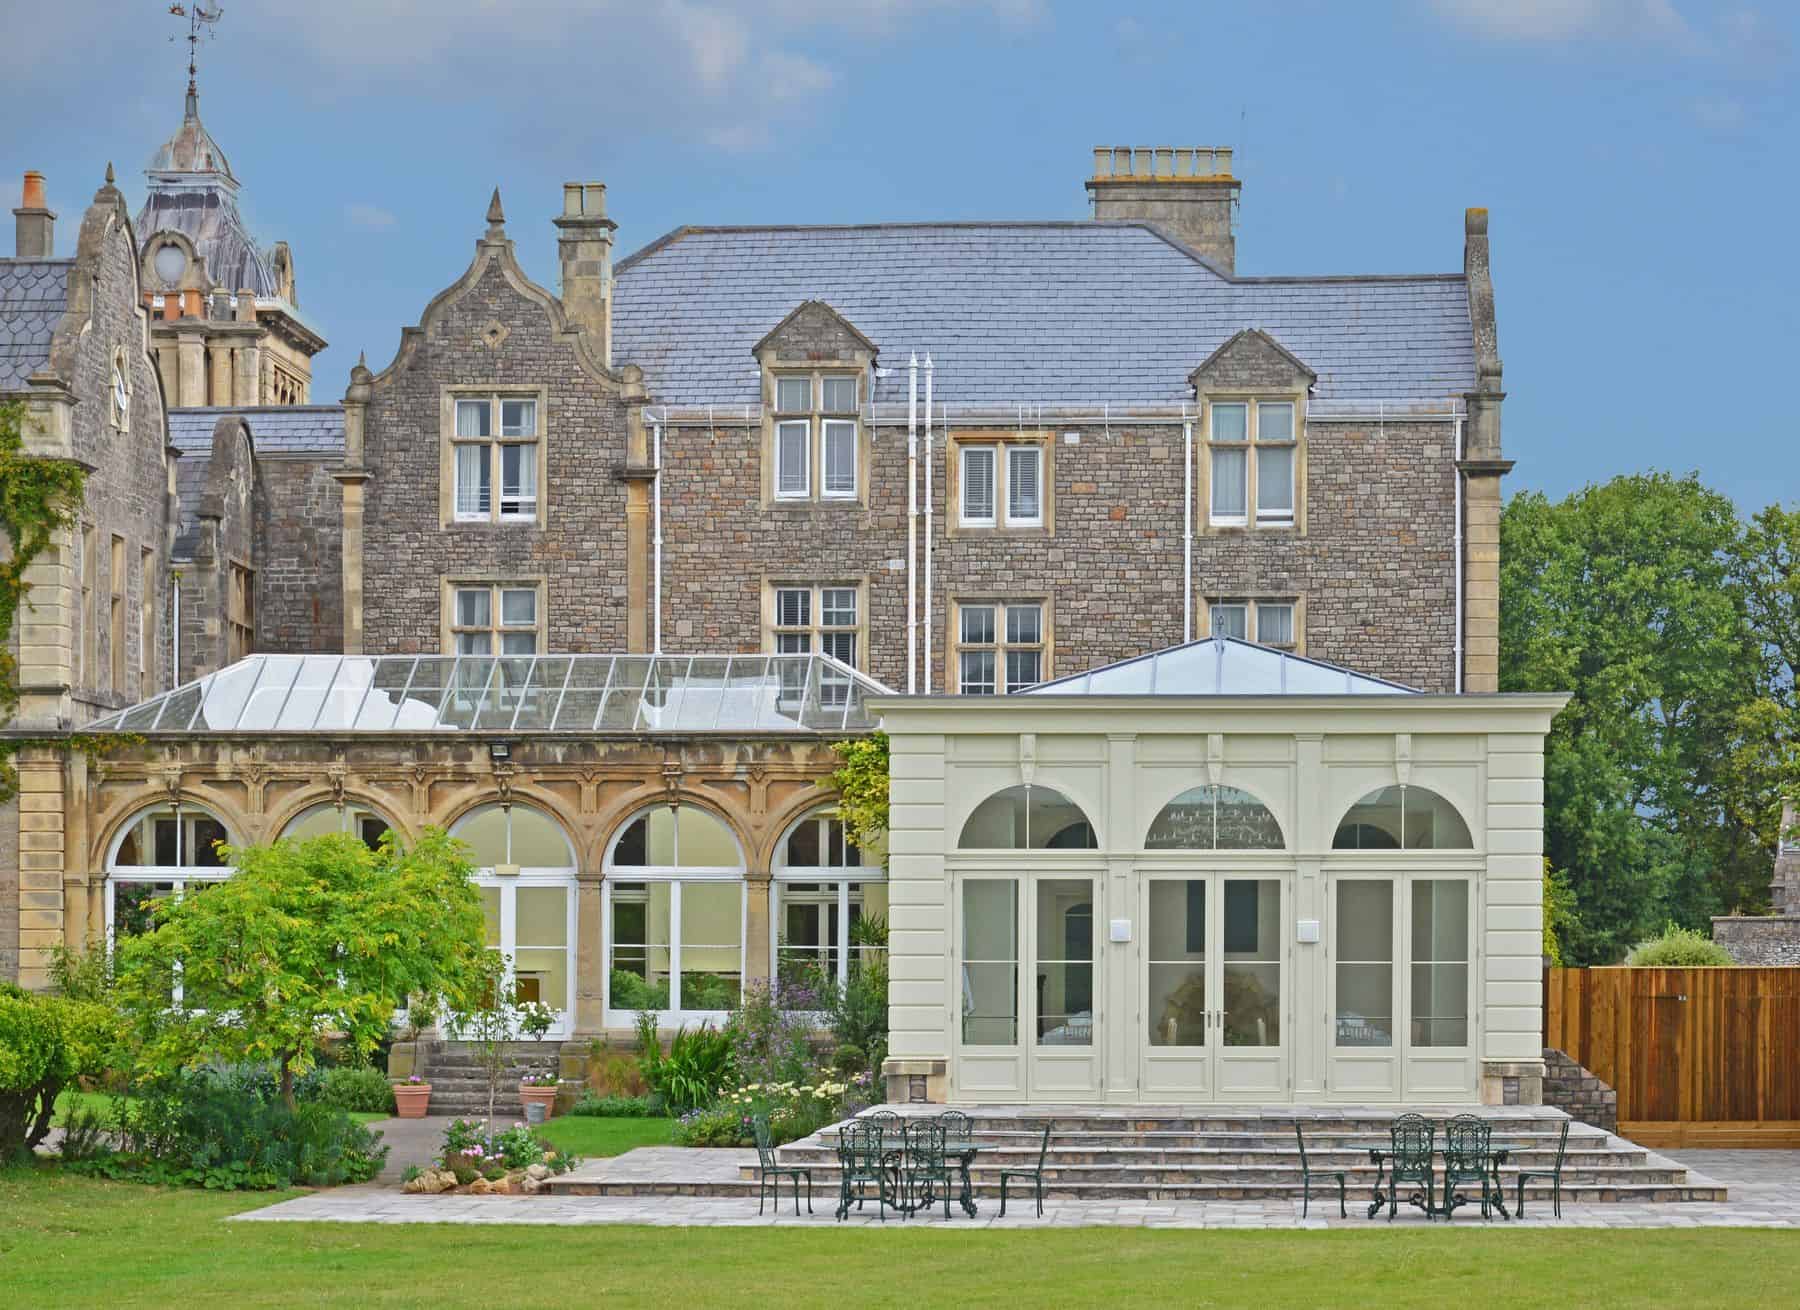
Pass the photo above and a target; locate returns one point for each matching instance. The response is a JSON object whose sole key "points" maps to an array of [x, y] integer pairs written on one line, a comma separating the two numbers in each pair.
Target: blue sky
{"points": [[1637, 157]]}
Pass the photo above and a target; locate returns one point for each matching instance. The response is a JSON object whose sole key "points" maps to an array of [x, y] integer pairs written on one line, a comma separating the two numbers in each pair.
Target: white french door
{"points": [[1213, 976], [531, 921]]}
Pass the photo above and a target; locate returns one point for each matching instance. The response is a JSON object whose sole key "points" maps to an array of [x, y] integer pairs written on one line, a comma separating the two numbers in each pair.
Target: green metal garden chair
{"points": [[929, 1167], [959, 1128], [1306, 1179], [1408, 1159], [1035, 1175], [1468, 1158], [862, 1158], [769, 1172], [1554, 1174]]}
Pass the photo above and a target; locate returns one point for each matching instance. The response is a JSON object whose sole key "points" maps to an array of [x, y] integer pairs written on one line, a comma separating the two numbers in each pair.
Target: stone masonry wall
{"points": [[300, 555], [1759, 939], [1375, 568], [1571, 1088], [579, 551]]}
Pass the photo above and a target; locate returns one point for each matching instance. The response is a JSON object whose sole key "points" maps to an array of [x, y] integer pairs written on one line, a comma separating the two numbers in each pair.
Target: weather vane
{"points": [[200, 24]]}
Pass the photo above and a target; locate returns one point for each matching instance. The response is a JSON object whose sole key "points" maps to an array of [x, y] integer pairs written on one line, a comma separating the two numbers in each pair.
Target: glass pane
{"points": [[1365, 969], [1177, 963], [541, 916], [712, 938], [791, 443], [703, 841], [840, 395], [977, 625], [998, 823], [1372, 824], [473, 418], [1275, 625], [1230, 471], [990, 968], [976, 669], [1024, 491], [1432, 823], [518, 418], [638, 978], [793, 395], [1024, 668], [472, 480], [1275, 421], [1440, 1005], [473, 607], [837, 607], [978, 484], [1252, 972], [538, 841], [319, 821], [518, 607], [543, 976], [803, 850], [1275, 483], [840, 458], [1440, 954], [134, 906], [1230, 422], [485, 832], [490, 913], [1065, 962], [869, 904], [1024, 624], [1231, 621]]}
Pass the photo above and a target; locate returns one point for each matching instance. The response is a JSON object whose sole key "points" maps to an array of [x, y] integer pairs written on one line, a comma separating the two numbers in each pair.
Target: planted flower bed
{"points": [[475, 1162]]}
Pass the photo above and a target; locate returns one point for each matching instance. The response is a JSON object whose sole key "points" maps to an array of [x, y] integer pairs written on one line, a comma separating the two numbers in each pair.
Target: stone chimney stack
{"points": [[36, 230], [1187, 190], [585, 243]]}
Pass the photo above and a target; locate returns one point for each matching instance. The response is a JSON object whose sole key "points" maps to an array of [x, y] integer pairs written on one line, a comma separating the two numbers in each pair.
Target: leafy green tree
{"points": [[1629, 595], [307, 939], [46, 1042], [862, 783]]}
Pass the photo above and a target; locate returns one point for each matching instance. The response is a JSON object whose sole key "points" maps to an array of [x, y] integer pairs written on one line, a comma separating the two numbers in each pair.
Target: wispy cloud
{"points": [[371, 218], [1561, 21]]}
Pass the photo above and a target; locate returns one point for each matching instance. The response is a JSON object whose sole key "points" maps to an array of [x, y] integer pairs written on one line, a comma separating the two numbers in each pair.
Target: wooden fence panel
{"points": [[1699, 1046]]}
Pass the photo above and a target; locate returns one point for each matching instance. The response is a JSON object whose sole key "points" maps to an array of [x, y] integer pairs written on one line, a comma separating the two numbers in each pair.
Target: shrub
{"points": [[715, 1125], [849, 1059], [1678, 948], [352, 1088], [216, 1129], [612, 1107], [696, 1068], [470, 1152], [857, 1012], [630, 992], [769, 1035], [46, 1042]]}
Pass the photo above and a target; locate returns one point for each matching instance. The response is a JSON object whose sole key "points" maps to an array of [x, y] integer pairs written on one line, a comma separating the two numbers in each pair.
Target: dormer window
{"points": [[1252, 446], [817, 438]]}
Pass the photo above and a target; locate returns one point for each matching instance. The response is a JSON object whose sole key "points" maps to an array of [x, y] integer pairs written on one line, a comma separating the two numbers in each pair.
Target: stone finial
{"points": [[496, 216], [110, 179]]}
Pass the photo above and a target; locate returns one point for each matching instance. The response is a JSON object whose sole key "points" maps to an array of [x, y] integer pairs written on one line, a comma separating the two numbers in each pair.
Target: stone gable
{"points": [[1252, 361], [814, 333]]}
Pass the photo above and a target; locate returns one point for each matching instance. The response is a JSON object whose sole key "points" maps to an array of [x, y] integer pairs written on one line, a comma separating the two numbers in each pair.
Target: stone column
{"points": [[756, 928], [219, 374], [590, 955], [190, 356], [42, 847], [639, 476], [354, 474], [1481, 574]]}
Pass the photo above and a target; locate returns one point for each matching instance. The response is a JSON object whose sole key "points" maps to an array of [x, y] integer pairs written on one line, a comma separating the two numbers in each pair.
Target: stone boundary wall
{"points": [[1763, 939], [1580, 1093]]}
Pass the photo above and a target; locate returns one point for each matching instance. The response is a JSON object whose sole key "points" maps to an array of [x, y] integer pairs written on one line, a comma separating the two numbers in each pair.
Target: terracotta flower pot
{"points": [[411, 1100], [544, 1096]]}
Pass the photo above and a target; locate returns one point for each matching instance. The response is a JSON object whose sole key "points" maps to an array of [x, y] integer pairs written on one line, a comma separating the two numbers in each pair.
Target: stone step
{"points": [[1358, 1201], [1190, 1157], [1062, 1125], [1269, 1174]]}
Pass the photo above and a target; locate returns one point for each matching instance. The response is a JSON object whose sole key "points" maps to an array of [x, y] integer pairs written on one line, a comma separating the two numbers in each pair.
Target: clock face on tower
{"points": [[170, 263]]}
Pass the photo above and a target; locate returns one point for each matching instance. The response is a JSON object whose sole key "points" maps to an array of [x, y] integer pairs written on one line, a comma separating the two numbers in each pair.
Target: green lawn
{"points": [[74, 1242], [585, 1136]]}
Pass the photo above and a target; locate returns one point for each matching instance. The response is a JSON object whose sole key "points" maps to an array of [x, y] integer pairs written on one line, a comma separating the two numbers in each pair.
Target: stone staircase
{"points": [[1192, 1154], [459, 1084]]}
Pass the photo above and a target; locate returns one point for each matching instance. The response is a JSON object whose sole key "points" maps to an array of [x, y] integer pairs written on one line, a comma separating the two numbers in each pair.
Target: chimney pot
{"points": [[1188, 191], [34, 231]]}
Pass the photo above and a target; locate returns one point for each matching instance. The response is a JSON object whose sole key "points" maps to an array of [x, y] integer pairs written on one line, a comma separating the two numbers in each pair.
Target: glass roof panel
{"points": [[1219, 666], [512, 694]]}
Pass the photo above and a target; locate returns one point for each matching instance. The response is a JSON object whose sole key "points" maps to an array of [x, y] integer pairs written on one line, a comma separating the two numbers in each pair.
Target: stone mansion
{"points": [[597, 567]]}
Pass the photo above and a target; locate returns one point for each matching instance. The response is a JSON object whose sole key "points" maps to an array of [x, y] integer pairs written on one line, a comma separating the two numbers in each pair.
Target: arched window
{"points": [[1028, 818], [674, 895], [830, 913], [525, 868], [326, 818], [162, 852], [1214, 818], [1402, 818]]}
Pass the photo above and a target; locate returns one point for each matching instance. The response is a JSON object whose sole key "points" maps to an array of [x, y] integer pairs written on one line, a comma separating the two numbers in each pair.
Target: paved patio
{"points": [[1765, 1193]]}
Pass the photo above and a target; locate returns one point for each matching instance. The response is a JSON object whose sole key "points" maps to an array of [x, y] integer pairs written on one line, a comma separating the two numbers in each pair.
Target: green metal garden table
{"points": [[1436, 1206]]}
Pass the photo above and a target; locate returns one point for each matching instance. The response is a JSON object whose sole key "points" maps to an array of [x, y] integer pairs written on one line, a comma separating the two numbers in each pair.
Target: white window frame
{"points": [[496, 628], [964, 481], [495, 443], [1291, 443], [1003, 645], [1250, 450], [1036, 518], [813, 630], [834, 878], [819, 423], [675, 875], [1253, 607], [178, 876]]}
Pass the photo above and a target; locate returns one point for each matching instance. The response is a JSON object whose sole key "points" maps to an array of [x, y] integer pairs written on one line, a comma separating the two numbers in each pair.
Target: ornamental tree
{"points": [[46, 1042], [308, 939]]}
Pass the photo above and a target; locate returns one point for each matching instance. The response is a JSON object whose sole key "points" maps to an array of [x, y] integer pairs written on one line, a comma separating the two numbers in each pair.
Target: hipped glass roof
{"points": [[513, 694], [1219, 666]]}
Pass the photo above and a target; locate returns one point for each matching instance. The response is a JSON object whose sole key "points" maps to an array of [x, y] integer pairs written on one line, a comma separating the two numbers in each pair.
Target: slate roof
{"points": [[274, 429], [34, 293], [1111, 313]]}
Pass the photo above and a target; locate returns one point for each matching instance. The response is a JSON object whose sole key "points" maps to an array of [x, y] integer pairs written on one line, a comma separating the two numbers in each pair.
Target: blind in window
{"points": [[791, 440], [978, 484], [1229, 469], [840, 395], [1275, 625], [472, 480], [840, 458], [1024, 492], [1275, 483], [793, 607], [1275, 422], [793, 395]]}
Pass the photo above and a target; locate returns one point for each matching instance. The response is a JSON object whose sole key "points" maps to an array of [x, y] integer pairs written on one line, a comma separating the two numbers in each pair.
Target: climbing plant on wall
{"points": [[862, 783], [38, 497]]}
